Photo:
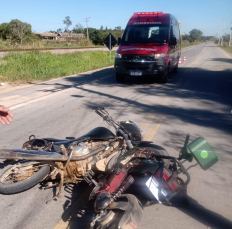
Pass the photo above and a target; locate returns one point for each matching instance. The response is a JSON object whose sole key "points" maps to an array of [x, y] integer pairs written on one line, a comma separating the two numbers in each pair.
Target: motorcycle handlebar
{"points": [[128, 141], [106, 117]]}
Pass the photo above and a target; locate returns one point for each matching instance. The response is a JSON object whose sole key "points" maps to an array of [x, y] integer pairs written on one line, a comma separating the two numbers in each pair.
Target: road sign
{"points": [[110, 41]]}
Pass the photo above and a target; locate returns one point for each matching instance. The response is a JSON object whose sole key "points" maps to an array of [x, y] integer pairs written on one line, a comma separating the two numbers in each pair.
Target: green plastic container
{"points": [[203, 153]]}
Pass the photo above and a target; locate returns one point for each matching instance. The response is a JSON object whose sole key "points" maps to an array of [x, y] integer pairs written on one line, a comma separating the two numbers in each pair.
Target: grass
{"points": [[228, 49], [7, 45], [185, 44], [39, 66]]}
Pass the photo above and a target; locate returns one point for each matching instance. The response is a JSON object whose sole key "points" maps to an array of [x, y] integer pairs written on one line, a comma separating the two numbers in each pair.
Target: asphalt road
{"points": [[196, 100]]}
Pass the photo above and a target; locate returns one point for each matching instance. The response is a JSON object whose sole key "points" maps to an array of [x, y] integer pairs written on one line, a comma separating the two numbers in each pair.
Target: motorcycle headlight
{"points": [[161, 55], [118, 56], [136, 134]]}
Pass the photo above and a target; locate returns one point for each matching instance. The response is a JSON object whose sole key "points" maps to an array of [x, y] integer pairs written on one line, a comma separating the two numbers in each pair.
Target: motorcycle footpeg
{"points": [[88, 177]]}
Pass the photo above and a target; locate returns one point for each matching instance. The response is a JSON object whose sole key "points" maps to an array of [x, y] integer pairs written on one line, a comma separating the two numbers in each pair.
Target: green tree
{"points": [[59, 30], [33, 39], [185, 37], [97, 36], [52, 31], [118, 28], [20, 30], [195, 34], [67, 21], [78, 28], [5, 30], [226, 37], [101, 27]]}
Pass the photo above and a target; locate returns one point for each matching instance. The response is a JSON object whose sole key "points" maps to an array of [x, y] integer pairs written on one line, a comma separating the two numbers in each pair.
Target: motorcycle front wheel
{"points": [[22, 176]]}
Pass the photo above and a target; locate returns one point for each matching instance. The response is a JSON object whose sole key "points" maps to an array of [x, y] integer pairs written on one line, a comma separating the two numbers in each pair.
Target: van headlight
{"points": [[118, 56], [161, 55]]}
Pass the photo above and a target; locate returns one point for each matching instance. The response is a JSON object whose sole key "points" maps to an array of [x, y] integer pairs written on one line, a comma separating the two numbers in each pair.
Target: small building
{"points": [[48, 36], [70, 36]]}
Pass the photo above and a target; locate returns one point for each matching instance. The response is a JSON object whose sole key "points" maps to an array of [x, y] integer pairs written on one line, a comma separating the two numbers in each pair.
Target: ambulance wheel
{"points": [[175, 70]]}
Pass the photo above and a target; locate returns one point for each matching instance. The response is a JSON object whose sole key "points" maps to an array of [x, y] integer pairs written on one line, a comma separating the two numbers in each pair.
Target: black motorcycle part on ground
{"points": [[34, 155], [132, 211], [139, 188], [66, 144], [20, 186], [56, 140], [103, 199], [142, 144], [99, 133]]}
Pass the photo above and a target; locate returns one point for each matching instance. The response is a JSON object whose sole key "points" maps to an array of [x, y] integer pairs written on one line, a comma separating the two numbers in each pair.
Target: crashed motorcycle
{"points": [[142, 176], [58, 162]]}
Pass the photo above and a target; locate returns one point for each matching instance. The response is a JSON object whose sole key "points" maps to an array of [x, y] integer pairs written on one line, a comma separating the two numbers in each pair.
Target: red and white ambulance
{"points": [[151, 45]]}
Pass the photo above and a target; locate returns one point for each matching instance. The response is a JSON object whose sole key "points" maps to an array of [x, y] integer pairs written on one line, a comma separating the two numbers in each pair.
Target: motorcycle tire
{"points": [[113, 224], [114, 218], [12, 182]]}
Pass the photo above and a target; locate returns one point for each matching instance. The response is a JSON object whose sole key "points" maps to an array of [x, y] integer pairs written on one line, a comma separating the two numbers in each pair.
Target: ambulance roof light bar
{"points": [[147, 13]]}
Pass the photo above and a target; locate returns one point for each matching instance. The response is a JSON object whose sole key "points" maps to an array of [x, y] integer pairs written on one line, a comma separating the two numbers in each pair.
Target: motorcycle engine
{"points": [[80, 150]]}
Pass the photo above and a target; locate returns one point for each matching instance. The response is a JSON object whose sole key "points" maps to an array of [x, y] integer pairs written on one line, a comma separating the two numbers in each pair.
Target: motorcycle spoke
{"points": [[17, 174]]}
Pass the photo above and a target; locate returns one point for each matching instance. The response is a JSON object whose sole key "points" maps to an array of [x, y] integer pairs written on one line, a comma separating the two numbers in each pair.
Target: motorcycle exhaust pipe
{"points": [[34, 155], [31, 155]]}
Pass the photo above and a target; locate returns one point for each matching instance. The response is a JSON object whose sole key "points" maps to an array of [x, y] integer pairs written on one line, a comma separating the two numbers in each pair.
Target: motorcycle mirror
{"points": [[203, 153]]}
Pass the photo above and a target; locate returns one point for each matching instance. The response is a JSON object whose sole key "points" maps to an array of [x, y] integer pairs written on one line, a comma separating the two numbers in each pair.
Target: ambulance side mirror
{"points": [[119, 41]]}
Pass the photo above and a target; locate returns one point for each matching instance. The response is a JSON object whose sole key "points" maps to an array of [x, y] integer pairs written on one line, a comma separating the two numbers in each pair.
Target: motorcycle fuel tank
{"points": [[100, 133]]}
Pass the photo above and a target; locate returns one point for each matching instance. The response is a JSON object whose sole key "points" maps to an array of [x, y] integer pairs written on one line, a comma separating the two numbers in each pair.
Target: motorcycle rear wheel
{"points": [[22, 176]]}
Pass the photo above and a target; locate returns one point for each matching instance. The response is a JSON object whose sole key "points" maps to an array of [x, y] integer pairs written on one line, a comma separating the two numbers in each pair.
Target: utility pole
{"points": [[219, 38], [87, 20], [230, 43], [223, 31]]}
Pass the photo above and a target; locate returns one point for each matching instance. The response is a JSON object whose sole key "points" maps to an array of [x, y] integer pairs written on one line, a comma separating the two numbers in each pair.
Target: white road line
{"points": [[43, 97], [105, 77], [188, 48], [28, 102]]}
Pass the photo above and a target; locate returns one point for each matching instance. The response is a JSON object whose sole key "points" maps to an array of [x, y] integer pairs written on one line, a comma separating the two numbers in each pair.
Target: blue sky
{"points": [[210, 16]]}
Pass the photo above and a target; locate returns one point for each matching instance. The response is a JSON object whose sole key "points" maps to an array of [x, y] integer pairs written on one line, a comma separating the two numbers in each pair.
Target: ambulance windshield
{"points": [[145, 34]]}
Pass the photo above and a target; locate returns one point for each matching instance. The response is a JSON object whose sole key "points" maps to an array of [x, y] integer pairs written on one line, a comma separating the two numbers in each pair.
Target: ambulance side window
{"points": [[171, 32], [176, 33]]}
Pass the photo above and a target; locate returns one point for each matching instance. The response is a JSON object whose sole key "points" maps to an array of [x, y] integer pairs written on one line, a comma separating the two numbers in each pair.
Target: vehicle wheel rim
{"points": [[17, 174]]}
